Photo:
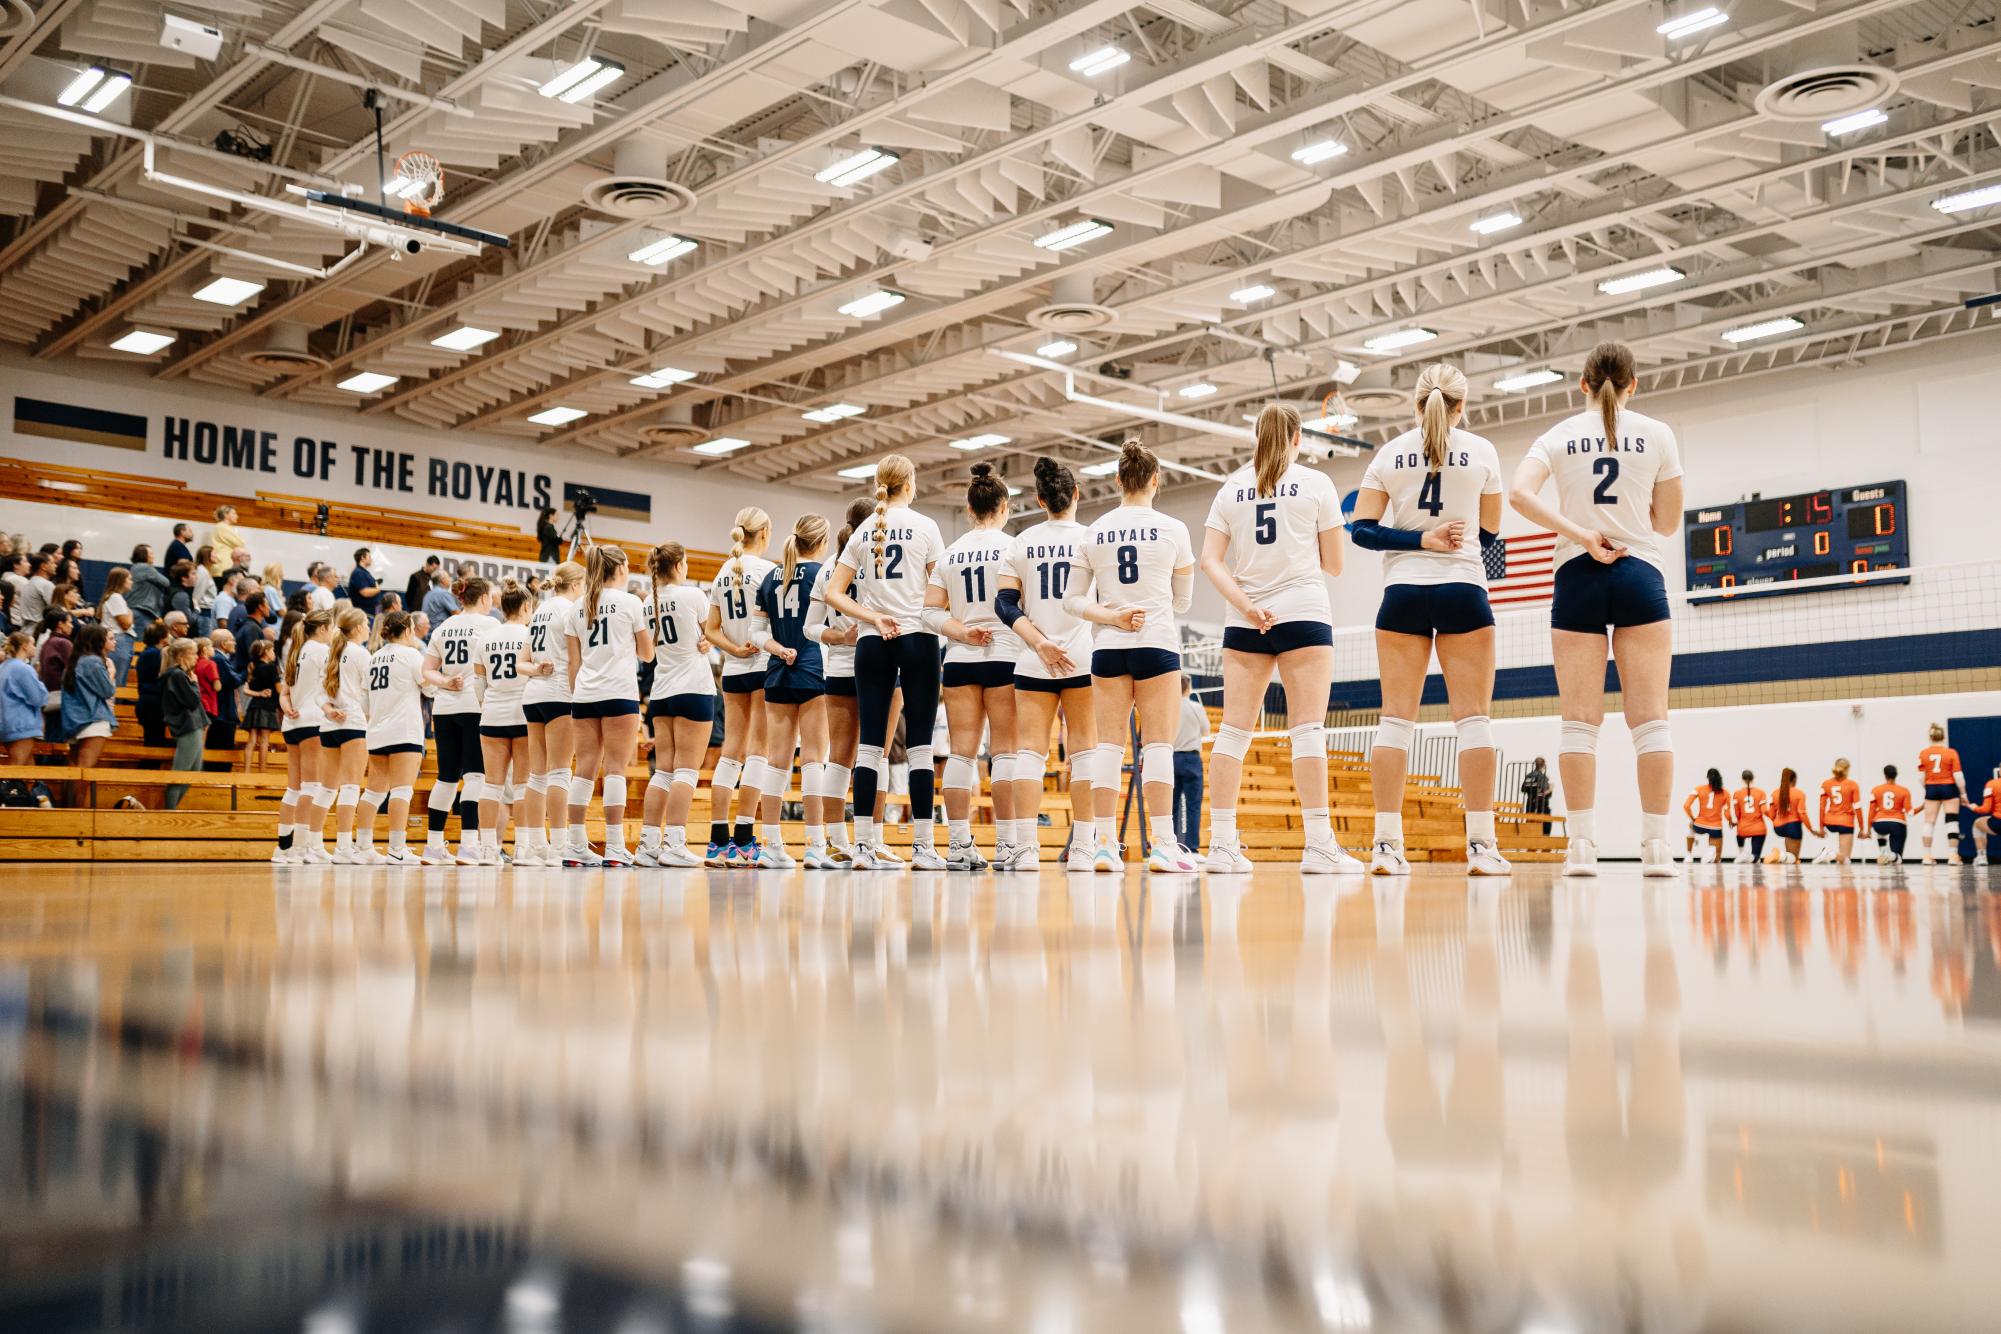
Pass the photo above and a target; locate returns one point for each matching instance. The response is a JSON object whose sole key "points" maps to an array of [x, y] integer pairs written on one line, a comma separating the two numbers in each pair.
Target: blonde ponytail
{"points": [[343, 627], [750, 521], [1277, 432], [808, 534], [893, 475], [1441, 391], [311, 624], [601, 564]]}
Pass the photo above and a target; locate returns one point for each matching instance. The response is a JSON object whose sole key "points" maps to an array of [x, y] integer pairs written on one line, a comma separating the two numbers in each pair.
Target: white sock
{"points": [[677, 837], [579, 837], [1160, 828], [774, 835], [1223, 827], [1389, 826], [962, 831], [923, 833], [345, 842], [864, 831], [1108, 831], [1651, 826], [1319, 827], [816, 838], [1581, 824], [649, 837], [399, 841], [1480, 826]]}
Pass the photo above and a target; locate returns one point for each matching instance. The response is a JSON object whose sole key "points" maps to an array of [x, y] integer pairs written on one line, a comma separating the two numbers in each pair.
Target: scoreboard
{"points": [[1761, 543]]}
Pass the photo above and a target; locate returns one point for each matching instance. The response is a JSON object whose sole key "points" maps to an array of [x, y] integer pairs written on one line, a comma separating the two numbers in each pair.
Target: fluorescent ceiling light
{"points": [[1682, 25], [1334, 423], [860, 472], [1062, 347], [987, 440], [663, 377], [1858, 120], [834, 412], [401, 187], [1496, 222], [465, 338], [1515, 384], [557, 416], [1318, 151], [79, 87], [367, 382], [1098, 61], [1099, 469], [1255, 292], [1014, 490], [875, 303], [1200, 389], [1641, 281], [95, 89], [722, 444], [1402, 338], [1762, 329], [1073, 234], [1969, 199], [857, 167], [144, 342], [582, 79], [228, 291], [656, 253]]}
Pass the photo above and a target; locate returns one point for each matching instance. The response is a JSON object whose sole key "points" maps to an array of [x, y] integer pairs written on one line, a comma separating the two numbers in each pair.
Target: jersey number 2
{"points": [[1430, 496], [1607, 468]]}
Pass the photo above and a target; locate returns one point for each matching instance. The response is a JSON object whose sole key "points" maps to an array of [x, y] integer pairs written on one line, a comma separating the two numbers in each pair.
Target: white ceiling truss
{"points": [[1618, 149]]}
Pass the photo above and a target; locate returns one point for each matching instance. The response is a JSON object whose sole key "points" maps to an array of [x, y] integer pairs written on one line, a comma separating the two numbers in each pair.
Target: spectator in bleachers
{"points": [[247, 589], [8, 592], [69, 570], [146, 670], [420, 583], [260, 711], [68, 597], [180, 703], [204, 591], [224, 536], [87, 715], [440, 603], [178, 549], [239, 559], [53, 649], [274, 575], [229, 680], [181, 590], [297, 601], [22, 696], [115, 615], [549, 542], [178, 624], [390, 602], [6, 545], [14, 577], [1535, 790], [319, 587], [362, 589], [420, 625], [73, 550], [34, 598], [224, 606], [150, 590]]}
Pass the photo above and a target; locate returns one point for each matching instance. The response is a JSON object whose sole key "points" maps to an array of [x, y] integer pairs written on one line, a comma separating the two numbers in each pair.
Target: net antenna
{"points": [[419, 182]]}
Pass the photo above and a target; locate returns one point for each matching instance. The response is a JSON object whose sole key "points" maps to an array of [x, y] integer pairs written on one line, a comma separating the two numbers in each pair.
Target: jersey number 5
{"points": [[1607, 468], [1431, 496], [1267, 523]]}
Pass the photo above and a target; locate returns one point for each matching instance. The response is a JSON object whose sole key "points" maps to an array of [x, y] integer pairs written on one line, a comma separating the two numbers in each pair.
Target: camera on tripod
{"points": [[582, 503]]}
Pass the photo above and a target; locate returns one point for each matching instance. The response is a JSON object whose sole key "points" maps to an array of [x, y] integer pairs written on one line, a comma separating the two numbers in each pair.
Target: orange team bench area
{"points": [[90, 488]]}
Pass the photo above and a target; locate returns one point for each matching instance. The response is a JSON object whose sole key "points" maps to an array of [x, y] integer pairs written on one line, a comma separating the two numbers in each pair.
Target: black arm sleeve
{"points": [[1007, 606], [1372, 536], [1488, 539]]}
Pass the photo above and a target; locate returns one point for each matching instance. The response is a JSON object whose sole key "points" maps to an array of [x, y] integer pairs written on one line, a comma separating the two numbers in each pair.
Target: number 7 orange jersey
{"points": [[1938, 764]]}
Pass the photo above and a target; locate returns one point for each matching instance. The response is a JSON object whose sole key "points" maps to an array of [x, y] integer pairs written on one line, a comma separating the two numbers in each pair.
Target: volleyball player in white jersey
{"points": [[880, 582], [680, 708], [396, 681], [1618, 487], [1431, 498], [1273, 533], [732, 606], [1143, 571], [836, 635], [344, 724], [454, 649], [504, 663], [608, 640], [1054, 665], [545, 705], [301, 696], [795, 704]]}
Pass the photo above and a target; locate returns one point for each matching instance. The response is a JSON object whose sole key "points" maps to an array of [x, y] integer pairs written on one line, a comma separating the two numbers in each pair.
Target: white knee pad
{"points": [[870, 757], [1578, 739], [349, 794], [538, 783], [661, 781], [778, 779], [1001, 769], [473, 788], [402, 793], [920, 758], [291, 797], [311, 794], [1232, 742], [510, 793], [687, 778], [558, 780], [834, 781], [812, 778], [1156, 763], [756, 774], [373, 799], [727, 773], [1032, 766], [1083, 768], [1309, 741], [443, 796], [1107, 759], [614, 790], [1652, 738], [960, 772], [580, 791], [1476, 733], [1394, 733], [881, 767]]}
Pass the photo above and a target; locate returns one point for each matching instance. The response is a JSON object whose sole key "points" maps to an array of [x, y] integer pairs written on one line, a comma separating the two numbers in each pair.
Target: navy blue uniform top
{"points": [[785, 606]]}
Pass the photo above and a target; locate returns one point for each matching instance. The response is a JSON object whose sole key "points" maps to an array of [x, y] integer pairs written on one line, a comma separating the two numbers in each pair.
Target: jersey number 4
{"points": [[1607, 468], [1431, 496]]}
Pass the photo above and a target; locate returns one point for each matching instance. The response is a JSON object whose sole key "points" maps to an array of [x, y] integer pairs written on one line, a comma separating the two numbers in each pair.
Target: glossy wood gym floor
{"points": [[237, 1097]]}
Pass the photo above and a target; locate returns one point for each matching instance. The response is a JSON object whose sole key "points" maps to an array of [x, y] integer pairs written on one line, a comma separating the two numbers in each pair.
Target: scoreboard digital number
{"points": [[1762, 546]]}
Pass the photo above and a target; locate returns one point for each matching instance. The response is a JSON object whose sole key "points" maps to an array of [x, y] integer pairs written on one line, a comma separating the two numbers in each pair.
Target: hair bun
{"points": [[1046, 469], [983, 470]]}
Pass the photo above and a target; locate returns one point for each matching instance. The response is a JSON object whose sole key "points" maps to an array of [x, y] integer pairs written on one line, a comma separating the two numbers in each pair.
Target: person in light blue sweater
{"points": [[22, 695]]}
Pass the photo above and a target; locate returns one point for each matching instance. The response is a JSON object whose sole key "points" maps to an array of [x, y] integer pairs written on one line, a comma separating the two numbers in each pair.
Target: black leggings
{"points": [[1757, 842], [1892, 832], [881, 665]]}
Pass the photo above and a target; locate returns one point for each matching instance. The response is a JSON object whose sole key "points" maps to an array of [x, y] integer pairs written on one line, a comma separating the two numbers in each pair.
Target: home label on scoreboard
{"points": [[1767, 545]]}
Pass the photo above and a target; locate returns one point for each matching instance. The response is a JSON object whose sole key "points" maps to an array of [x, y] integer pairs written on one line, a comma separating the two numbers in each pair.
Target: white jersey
{"points": [[1420, 498], [549, 641], [456, 646], [679, 665], [911, 545], [734, 592], [352, 699], [504, 657], [1131, 556], [309, 690], [609, 645], [1046, 559], [396, 697], [1609, 486], [970, 572], [1274, 551], [835, 659]]}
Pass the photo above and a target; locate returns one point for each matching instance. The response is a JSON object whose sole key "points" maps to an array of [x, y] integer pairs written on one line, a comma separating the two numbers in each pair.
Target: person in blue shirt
{"points": [[362, 589], [87, 715], [178, 549], [439, 604], [22, 695], [795, 689]]}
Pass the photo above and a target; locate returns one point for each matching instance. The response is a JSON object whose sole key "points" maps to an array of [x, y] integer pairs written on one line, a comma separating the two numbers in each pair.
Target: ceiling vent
{"points": [[674, 428], [1373, 395], [638, 186], [1817, 95], [1071, 308], [286, 352], [16, 16]]}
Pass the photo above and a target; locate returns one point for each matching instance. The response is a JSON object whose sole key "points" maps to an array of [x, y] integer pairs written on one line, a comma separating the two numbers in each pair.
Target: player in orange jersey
{"points": [[1747, 809], [1705, 810], [1840, 799], [1945, 788], [1987, 828], [1787, 812], [1889, 808]]}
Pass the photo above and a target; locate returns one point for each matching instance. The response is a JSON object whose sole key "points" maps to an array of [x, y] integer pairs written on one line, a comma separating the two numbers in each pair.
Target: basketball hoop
{"points": [[419, 182]]}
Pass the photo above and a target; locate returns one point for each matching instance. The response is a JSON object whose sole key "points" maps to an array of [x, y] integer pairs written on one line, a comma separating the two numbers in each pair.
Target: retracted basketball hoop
{"points": [[420, 182]]}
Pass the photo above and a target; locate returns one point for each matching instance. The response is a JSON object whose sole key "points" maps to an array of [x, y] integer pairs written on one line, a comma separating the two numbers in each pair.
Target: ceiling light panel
{"points": [[557, 416], [857, 167], [1641, 281], [367, 382], [227, 291], [1103, 59], [465, 338], [1397, 341], [1073, 234], [580, 80], [1751, 333], [144, 342], [1525, 380]]}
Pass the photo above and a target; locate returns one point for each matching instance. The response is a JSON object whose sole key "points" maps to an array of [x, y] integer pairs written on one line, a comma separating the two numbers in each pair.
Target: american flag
{"points": [[1521, 570]]}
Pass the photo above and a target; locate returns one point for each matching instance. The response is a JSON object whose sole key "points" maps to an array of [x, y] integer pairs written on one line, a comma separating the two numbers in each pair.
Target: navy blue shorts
{"points": [[1043, 685], [743, 683], [844, 686], [1591, 596], [546, 712], [1434, 609], [1791, 831], [792, 694], [991, 675], [1933, 791], [1705, 833], [403, 748], [1832, 829], [1281, 638], [504, 731], [298, 736], [1141, 664], [603, 708], [697, 708], [343, 736]]}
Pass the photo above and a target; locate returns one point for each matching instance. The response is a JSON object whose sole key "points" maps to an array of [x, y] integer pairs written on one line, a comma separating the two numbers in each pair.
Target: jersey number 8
{"points": [[1128, 565]]}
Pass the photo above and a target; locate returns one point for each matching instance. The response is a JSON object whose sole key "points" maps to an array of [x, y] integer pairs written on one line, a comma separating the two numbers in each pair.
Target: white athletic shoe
{"points": [[581, 856], [1825, 857], [927, 859], [1081, 857], [1388, 858], [1656, 859], [862, 858], [774, 857], [964, 857], [1025, 857], [1227, 859], [616, 859], [885, 860], [678, 859], [1329, 859], [316, 856], [816, 859], [1483, 858], [1106, 861], [282, 857], [1171, 859], [1581, 857], [1789, 859], [1743, 858], [403, 858], [645, 856], [344, 856], [369, 857]]}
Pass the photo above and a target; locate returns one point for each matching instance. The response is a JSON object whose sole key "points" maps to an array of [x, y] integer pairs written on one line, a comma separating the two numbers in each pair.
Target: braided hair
{"points": [[893, 476]]}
